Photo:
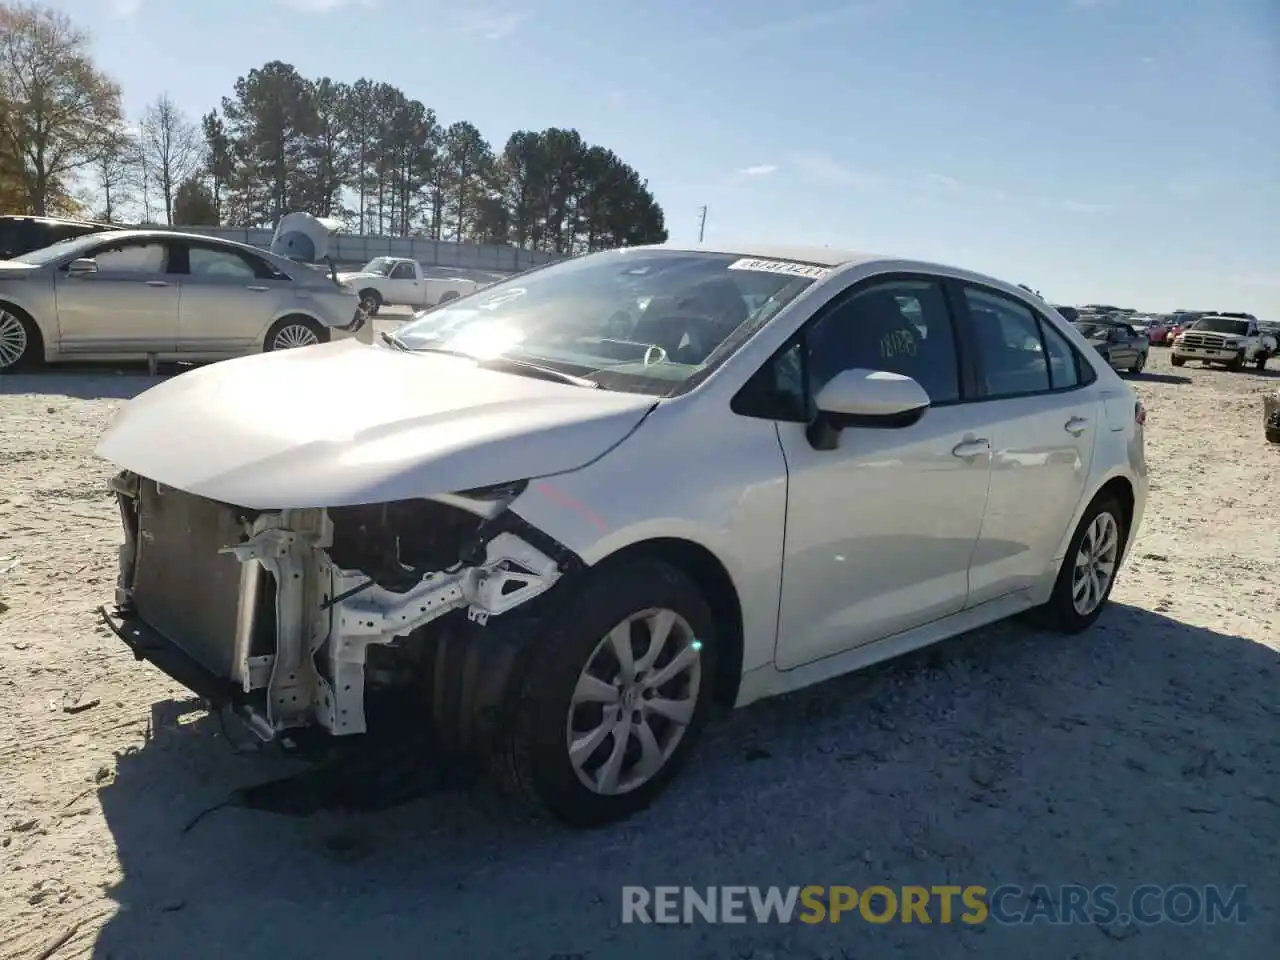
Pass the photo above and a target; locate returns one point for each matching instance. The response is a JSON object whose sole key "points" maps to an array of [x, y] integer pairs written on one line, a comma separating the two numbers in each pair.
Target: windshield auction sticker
{"points": [[787, 267]]}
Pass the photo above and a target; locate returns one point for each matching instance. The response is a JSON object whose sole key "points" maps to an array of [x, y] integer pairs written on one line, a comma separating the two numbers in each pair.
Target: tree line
{"points": [[362, 152]]}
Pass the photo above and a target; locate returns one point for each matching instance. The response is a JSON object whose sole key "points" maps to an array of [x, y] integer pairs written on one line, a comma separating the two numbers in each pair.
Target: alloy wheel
{"points": [[294, 335], [13, 340], [1095, 564], [633, 701]]}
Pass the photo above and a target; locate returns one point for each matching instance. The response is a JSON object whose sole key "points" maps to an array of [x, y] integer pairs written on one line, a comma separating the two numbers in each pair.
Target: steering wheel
{"points": [[655, 354]]}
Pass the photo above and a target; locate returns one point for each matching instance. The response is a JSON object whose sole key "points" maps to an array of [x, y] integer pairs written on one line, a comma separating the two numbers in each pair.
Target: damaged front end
{"points": [[276, 612]]}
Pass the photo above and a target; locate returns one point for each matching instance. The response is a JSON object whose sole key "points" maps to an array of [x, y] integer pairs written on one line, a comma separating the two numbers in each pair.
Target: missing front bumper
{"points": [[250, 608]]}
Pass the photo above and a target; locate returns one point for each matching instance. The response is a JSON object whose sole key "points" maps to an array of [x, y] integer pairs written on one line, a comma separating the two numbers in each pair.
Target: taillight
{"points": [[1139, 413]]}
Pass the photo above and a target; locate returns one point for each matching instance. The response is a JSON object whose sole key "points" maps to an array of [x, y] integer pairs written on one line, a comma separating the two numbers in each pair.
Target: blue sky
{"points": [[1123, 151]]}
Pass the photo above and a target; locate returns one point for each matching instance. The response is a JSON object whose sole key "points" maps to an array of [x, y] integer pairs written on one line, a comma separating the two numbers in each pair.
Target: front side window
{"points": [[1010, 353], [1064, 370], [644, 321], [403, 271], [379, 266], [124, 258], [899, 326], [207, 262]]}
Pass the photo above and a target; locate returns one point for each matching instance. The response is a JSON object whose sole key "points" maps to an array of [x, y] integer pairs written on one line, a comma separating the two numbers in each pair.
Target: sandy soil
{"points": [[1145, 751]]}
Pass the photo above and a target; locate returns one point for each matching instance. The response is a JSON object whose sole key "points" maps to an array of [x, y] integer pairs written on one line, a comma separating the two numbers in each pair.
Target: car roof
{"points": [[820, 256], [161, 234], [64, 221]]}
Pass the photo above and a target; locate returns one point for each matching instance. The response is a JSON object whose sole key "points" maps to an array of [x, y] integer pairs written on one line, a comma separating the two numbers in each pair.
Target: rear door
{"points": [[128, 308], [228, 299], [1042, 415], [1124, 349]]}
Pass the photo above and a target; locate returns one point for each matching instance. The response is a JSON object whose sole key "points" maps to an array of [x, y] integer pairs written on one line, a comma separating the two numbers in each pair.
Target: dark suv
{"points": [[19, 235]]}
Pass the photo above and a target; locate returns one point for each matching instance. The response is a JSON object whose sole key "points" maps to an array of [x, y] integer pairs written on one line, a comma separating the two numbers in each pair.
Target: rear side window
{"points": [[224, 264]]}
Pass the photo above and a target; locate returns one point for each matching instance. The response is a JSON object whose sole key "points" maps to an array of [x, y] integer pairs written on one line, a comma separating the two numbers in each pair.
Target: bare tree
{"points": [[56, 104], [171, 149], [116, 169]]}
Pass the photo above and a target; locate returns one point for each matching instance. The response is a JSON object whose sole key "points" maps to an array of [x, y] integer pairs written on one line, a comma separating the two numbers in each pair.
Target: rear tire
{"points": [[21, 346], [1273, 436], [289, 332], [574, 655], [1063, 613]]}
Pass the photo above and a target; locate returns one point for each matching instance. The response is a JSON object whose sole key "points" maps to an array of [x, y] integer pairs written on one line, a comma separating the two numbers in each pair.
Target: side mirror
{"points": [[865, 398], [82, 267]]}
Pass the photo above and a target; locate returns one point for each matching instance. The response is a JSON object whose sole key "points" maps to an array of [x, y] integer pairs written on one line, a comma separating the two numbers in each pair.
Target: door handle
{"points": [[157, 283], [1076, 426], [968, 449], [257, 289]]}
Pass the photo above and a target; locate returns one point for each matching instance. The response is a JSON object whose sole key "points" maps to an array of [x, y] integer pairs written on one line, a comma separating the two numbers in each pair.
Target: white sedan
{"points": [[581, 511], [163, 295]]}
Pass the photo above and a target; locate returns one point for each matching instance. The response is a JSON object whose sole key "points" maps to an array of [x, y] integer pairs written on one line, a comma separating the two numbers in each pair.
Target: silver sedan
{"points": [[162, 295]]}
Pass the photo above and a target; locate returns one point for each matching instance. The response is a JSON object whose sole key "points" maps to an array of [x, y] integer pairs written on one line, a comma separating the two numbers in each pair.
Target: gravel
{"points": [[1146, 750]]}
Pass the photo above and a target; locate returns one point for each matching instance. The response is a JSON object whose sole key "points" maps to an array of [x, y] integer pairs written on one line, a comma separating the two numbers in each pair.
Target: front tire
{"points": [[1139, 363], [21, 346], [1177, 361], [371, 300], [613, 695], [1237, 363], [1260, 361], [1089, 569]]}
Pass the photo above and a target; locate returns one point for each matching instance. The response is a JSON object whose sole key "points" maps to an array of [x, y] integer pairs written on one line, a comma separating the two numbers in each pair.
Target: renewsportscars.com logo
{"points": [[1007, 904]]}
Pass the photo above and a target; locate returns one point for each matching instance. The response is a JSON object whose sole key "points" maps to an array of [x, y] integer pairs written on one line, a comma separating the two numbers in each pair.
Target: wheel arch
{"points": [[717, 587], [1116, 484]]}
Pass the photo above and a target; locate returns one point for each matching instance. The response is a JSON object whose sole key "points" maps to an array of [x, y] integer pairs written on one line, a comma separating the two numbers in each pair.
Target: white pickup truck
{"points": [[1233, 341], [400, 281]]}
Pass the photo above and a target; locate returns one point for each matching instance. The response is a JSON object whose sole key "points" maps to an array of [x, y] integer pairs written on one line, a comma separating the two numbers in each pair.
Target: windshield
{"points": [[379, 265], [1094, 330], [1222, 325], [61, 249], [641, 321]]}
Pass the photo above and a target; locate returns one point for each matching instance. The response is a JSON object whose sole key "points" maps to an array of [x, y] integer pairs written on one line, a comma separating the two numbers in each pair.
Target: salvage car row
{"points": [[96, 293]]}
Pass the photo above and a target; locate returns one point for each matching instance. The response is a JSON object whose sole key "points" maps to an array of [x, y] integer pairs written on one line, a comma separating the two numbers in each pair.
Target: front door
{"points": [[1042, 418], [128, 308], [228, 300], [403, 285], [880, 530]]}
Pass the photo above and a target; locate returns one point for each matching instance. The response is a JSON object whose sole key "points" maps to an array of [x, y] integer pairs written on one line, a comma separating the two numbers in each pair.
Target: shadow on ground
{"points": [[1143, 751], [1146, 376], [86, 381]]}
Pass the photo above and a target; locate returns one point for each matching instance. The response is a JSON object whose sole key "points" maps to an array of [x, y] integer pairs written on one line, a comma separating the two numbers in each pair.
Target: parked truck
{"points": [[399, 281], [1230, 340]]}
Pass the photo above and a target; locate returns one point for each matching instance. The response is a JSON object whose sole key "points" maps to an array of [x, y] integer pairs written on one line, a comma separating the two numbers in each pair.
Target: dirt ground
{"points": [[1144, 751]]}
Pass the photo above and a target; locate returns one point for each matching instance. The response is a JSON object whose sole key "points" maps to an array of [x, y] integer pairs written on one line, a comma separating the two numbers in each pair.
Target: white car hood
{"points": [[345, 423]]}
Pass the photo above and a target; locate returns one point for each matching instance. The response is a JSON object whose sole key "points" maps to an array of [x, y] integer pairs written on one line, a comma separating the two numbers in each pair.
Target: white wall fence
{"points": [[356, 249]]}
